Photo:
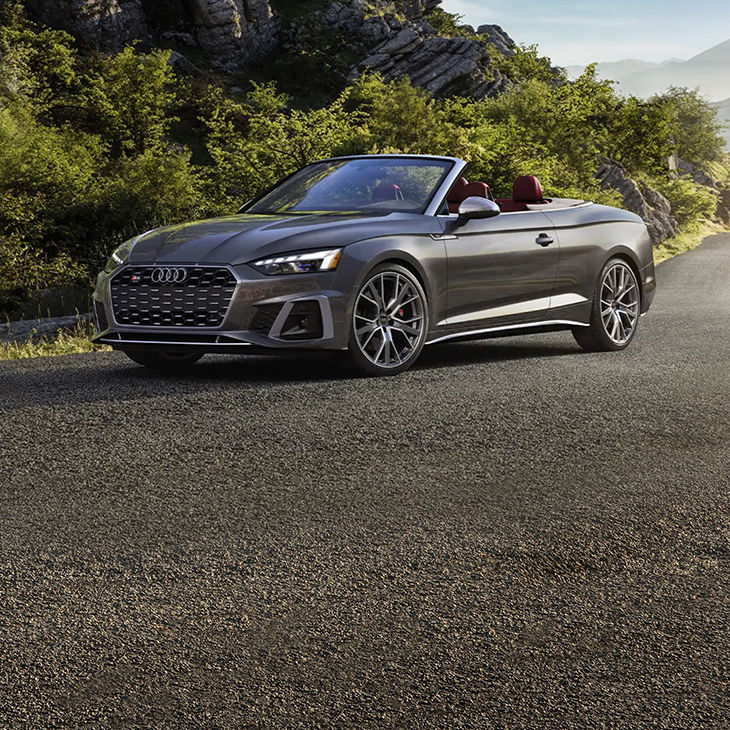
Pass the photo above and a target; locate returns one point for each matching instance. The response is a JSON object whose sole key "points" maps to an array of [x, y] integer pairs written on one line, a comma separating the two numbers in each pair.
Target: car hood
{"points": [[243, 238]]}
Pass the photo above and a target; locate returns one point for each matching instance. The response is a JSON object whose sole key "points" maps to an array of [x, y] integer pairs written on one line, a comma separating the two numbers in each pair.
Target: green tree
{"points": [[641, 135], [695, 130], [397, 116], [129, 100], [36, 64]]}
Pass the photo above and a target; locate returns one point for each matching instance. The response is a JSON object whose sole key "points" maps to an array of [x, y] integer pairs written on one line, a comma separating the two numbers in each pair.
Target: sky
{"points": [[573, 32]]}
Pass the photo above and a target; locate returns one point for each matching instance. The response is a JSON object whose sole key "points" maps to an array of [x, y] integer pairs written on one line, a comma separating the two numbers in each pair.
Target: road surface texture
{"points": [[514, 534]]}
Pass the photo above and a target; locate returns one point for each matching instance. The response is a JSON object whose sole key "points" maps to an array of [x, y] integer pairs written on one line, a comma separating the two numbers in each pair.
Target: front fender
{"points": [[424, 256]]}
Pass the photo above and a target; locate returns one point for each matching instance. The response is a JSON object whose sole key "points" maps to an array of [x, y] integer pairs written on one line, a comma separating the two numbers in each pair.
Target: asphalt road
{"points": [[514, 534]]}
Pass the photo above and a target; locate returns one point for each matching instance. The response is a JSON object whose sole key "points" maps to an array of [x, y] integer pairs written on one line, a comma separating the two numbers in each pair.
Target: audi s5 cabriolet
{"points": [[377, 256]]}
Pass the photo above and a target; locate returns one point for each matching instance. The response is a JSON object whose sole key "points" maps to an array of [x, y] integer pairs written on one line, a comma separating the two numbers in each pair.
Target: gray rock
{"points": [[106, 26], [413, 9], [34, 329], [235, 33], [697, 175], [498, 38], [723, 205], [403, 42], [391, 37], [440, 65], [181, 38], [641, 199], [376, 60], [182, 65]]}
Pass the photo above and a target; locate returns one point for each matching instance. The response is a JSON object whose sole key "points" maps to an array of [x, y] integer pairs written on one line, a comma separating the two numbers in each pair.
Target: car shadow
{"points": [[111, 377], [479, 352]]}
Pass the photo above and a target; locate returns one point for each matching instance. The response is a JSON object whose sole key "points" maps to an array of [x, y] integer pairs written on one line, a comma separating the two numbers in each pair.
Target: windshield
{"points": [[376, 184]]}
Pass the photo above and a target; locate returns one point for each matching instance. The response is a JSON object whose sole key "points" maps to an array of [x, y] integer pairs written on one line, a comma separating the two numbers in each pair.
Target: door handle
{"points": [[544, 240]]}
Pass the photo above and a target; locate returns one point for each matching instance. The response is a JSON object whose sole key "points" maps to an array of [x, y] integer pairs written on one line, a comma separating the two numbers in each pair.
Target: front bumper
{"points": [[261, 314], [648, 286]]}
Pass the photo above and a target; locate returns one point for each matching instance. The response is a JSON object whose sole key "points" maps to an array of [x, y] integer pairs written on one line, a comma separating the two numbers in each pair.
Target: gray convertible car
{"points": [[377, 256]]}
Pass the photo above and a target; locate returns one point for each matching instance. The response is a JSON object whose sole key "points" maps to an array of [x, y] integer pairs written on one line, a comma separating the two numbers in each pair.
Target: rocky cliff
{"points": [[233, 33], [392, 37]]}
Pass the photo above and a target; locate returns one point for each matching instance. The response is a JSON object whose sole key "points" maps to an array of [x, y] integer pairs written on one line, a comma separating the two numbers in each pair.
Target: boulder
{"points": [[641, 199], [236, 33], [31, 330], [414, 9], [723, 204], [699, 176], [498, 38], [182, 65]]}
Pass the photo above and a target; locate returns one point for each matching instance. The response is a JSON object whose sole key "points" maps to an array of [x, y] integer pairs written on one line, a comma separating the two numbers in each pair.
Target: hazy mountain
{"points": [[614, 69], [710, 71]]}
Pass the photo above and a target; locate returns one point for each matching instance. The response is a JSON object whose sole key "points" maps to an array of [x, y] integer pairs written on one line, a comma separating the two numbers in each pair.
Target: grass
{"points": [[689, 238], [65, 342]]}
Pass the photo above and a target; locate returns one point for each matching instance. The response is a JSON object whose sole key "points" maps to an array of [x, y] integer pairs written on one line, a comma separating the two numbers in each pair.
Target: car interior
{"points": [[525, 191]]}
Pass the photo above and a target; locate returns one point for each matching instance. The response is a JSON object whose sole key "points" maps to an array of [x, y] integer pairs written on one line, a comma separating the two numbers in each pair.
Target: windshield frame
{"points": [[432, 204]]}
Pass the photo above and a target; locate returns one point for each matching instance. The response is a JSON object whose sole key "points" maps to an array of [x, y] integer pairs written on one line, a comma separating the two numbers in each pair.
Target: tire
{"points": [[167, 363], [389, 322], [615, 312]]}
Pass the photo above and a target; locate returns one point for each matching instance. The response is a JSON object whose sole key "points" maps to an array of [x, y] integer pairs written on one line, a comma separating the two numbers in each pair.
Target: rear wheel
{"points": [[169, 363], [616, 309], [389, 321]]}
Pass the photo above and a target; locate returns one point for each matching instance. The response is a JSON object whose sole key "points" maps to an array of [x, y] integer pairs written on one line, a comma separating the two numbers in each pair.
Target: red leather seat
{"points": [[508, 205], [476, 190], [456, 194], [387, 191], [525, 191], [463, 189]]}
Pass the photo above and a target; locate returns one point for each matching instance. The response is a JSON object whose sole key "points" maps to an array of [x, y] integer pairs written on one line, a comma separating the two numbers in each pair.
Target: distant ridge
{"points": [[709, 71], [615, 69]]}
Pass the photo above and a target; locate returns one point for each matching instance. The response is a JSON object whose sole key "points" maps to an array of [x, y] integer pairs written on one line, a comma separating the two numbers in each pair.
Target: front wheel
{"points": [[616, 309], [168, 363], [389, 321]]}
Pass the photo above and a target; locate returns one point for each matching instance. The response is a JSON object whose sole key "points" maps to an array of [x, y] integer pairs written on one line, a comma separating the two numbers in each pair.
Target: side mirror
{"points": [[475, 208]]}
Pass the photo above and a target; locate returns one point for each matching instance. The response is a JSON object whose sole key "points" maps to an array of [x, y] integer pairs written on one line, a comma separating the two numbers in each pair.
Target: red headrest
{"points": [[386, 191], [527, 189], [476, 190], [456, 194]]}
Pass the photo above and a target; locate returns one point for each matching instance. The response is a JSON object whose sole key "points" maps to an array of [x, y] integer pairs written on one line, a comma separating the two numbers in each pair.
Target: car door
{"points": [[501, 270]]}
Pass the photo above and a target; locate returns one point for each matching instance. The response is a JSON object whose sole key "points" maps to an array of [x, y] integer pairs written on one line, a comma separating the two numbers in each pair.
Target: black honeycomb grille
{"points": [[201, 300]]}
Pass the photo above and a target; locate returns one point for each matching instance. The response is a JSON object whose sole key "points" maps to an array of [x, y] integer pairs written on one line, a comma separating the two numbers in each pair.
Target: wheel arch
{"points": [[407, 261], [628, 256]]}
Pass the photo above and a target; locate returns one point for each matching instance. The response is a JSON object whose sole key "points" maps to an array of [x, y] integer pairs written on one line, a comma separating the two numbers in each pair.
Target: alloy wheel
{"points": [[619, 301], [389, 319]]}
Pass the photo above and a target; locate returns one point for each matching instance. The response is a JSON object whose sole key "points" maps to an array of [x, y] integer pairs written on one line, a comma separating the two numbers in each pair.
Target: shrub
{"points": [[24, 269], [691, 203], [128, 100]]}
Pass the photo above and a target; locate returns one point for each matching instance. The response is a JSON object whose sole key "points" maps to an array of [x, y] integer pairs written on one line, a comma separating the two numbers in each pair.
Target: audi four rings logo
{"points": [[168, 276]]}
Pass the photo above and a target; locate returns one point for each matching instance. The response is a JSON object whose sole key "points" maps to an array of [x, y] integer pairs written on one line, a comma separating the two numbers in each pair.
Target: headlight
{"points": [[120, 255], [299, 263]]}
